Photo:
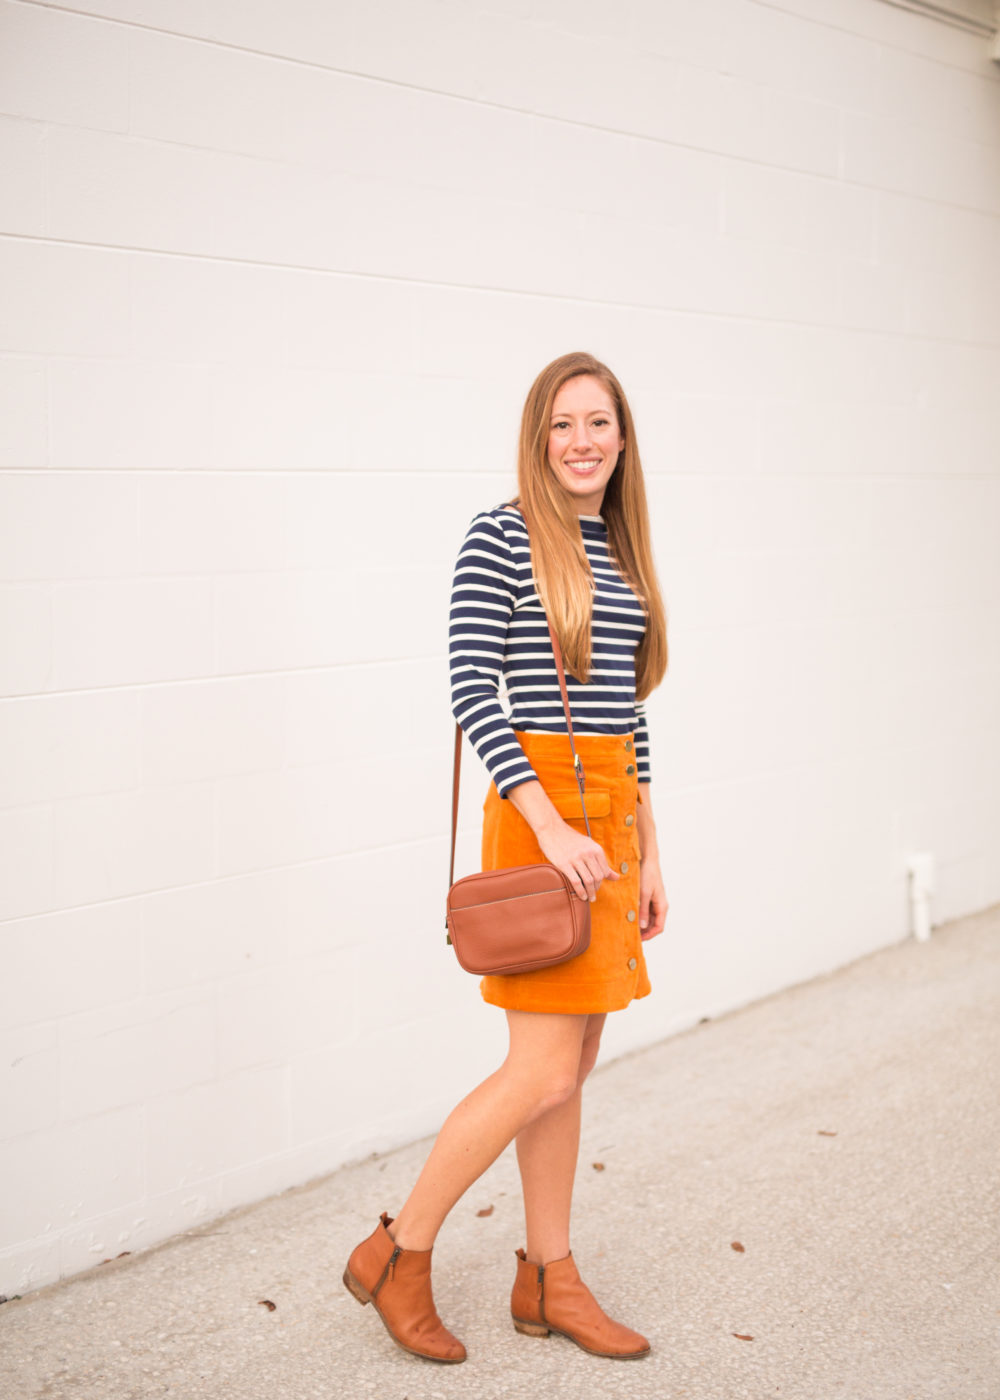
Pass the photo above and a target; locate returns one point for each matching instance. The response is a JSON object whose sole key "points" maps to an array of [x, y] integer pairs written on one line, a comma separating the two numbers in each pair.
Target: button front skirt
{"points": [[612, 971]]}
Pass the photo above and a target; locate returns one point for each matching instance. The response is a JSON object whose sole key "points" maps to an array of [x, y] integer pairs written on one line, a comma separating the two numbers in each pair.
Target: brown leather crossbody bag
{"points": [[521, 917]]}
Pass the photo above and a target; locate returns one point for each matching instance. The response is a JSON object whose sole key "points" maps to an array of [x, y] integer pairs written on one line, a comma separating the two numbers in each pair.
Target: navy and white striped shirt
{"points": [[498, 632]]}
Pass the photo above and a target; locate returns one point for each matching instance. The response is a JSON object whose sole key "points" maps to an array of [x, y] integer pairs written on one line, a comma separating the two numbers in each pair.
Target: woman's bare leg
{"points": [[541, 1070], [547, 1151]]}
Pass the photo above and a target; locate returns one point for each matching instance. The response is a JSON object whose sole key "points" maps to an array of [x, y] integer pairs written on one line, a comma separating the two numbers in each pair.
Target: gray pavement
{"points": [[846, 1132]]}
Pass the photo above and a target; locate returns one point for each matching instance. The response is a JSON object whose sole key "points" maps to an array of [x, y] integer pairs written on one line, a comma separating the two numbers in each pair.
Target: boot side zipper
{"points": [[390, 1269]]}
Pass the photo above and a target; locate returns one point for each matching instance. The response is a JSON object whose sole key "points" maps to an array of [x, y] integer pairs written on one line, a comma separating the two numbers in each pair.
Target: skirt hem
{"points": [[543, 1004]]}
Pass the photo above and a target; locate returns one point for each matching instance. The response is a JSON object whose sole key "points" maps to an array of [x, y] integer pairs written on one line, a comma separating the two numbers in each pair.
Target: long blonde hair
{"points": [[559, 561]]}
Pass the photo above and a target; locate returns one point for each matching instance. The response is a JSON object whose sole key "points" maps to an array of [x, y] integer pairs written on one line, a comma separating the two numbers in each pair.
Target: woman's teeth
{"points": [[583, 468]]}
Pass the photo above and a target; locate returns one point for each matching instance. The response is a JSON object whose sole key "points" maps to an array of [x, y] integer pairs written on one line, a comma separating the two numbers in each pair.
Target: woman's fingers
{"points": [[588, 878], [645, 900], [584, 877], [593, 870], [580, 887], [652, 911]]}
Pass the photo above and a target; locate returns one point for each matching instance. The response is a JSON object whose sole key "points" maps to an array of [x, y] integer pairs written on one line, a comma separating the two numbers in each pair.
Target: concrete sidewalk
{"points": [[846, 1132]]}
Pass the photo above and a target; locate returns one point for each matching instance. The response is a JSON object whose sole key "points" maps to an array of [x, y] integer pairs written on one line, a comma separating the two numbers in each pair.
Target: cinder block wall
{"points": [[276, 279]]}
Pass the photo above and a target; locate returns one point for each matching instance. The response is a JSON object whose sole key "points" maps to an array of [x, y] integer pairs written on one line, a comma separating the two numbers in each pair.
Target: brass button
{"points": [[630, 915], [629, 819], [630, 769], [624, 867], [632, 964], [628, 744]]}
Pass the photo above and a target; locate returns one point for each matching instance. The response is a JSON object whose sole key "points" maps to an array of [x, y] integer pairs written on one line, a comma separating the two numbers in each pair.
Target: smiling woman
{"points": [[587, 567]]}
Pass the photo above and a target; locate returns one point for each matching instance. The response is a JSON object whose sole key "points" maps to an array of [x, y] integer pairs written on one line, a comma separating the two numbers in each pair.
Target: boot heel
{"points": [[531, 1329], [353, 1286]]}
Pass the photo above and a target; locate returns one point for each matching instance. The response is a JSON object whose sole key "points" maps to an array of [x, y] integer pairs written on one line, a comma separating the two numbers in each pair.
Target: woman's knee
{"points": [[559, 1085], [545, 1058], [542, 1087], [588, 1054], [559, 1082], [557, 1088]]}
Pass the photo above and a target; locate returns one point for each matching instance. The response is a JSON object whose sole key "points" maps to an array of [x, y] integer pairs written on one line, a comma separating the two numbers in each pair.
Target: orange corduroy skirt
{"points": [[612, 972]]}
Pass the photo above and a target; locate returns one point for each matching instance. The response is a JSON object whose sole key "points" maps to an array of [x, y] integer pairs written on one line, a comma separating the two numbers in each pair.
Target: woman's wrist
{"points": [[535, 806], [646, 825]]}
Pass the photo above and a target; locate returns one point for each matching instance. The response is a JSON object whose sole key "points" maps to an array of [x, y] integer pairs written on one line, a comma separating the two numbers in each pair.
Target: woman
{"points": [[590, 563]]}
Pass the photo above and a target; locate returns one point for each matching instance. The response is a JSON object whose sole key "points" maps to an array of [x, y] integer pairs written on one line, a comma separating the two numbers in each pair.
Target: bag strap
{"points": [[577, 765]]}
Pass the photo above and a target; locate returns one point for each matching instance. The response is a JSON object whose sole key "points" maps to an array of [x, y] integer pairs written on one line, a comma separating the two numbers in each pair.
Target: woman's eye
{"points": [[560, 425]]}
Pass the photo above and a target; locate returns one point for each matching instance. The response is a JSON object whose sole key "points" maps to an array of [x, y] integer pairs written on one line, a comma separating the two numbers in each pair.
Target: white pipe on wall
{"points": [[920, 866]]}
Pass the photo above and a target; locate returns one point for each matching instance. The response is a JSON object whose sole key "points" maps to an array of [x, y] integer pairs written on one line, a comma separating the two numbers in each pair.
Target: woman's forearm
{"points": [[535, 805]]}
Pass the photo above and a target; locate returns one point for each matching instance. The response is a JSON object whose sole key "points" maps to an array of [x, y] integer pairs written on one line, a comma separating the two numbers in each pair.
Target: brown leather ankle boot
{"points": [[398, 1283], [554, 1298]]}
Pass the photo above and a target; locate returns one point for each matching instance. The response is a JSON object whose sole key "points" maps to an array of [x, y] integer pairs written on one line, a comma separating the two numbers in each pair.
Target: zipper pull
{"points": [[392, 1261], [541, 1276]]}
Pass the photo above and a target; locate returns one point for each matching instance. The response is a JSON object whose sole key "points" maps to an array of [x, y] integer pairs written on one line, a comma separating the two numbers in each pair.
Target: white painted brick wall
{"points": [[275, 281]]}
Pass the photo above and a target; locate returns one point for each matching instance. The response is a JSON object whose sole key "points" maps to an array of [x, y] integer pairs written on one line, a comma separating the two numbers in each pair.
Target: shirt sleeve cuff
{"points": [[515, 779]]}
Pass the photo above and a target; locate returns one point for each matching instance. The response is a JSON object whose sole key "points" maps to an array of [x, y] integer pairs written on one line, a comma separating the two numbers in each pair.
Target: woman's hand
{"points": [[579, 857], [652, 895], [652, 898]]}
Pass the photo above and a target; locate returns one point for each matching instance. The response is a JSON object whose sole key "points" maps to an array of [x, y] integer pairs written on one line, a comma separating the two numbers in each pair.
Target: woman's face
{"points": [[584, 441]]}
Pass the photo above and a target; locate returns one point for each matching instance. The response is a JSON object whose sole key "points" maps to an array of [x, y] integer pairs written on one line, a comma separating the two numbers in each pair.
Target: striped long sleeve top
{"points": [[498, 638]]}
